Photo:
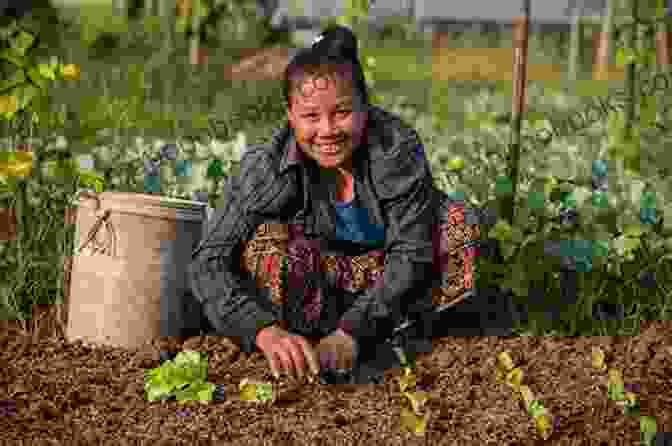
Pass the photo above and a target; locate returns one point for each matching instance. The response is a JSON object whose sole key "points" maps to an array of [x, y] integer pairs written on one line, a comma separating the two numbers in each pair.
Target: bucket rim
{"points": [[149, 199]]}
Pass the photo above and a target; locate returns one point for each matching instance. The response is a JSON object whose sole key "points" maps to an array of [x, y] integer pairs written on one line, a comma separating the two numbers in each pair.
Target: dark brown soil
{"points": [[72, 394]]}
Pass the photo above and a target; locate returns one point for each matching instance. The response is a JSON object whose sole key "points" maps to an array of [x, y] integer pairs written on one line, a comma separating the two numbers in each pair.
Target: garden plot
{"points": [[73, 394]]}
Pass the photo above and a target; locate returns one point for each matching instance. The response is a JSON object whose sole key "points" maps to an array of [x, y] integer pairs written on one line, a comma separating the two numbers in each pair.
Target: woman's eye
{"points": [[341, 112]]}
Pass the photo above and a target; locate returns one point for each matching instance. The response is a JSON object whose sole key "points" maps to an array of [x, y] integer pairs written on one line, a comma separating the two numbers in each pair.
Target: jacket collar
{"points": [[292, 154]]}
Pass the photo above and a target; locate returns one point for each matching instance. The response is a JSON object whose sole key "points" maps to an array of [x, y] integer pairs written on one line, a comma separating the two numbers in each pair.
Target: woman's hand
{"points": [[292, 352], [337, 351]]}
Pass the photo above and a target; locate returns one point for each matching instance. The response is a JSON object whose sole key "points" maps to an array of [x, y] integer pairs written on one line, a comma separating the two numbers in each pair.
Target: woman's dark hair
{"points": [[333, 51]]}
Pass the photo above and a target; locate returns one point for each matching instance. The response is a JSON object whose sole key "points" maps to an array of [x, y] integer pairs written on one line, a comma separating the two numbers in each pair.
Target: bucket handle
{"points": [[103, 218]]}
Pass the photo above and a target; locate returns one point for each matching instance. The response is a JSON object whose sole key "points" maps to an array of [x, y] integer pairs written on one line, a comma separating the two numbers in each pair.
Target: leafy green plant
{"points": [[183, 377], [598, 227], [183, 169], [568, 197], [36, 182], [26, 70]]}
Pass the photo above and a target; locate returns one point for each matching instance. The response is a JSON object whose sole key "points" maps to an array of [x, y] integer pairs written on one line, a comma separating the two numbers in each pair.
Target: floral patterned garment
{"points": [[309, 271]]}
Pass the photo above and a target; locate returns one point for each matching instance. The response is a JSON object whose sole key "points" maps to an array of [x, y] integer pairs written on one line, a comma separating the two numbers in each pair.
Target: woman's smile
{"points": [[331, 149]]}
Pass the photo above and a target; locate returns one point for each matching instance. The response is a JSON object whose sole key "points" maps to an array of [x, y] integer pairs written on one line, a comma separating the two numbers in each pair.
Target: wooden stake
{"points": [[7, 224], [520, 46], [602, 44], [195, 52], [631, 74], [198, 54], [576, 43], [664, 46]]}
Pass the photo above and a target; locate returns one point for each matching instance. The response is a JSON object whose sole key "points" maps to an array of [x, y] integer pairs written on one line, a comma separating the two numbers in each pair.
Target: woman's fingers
{"points": [[286, 361], [310, 356], [296, 353], [294, 357]]}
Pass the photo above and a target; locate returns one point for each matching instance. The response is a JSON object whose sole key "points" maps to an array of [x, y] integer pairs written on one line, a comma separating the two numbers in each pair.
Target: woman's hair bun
{"points": [[337, 40]]}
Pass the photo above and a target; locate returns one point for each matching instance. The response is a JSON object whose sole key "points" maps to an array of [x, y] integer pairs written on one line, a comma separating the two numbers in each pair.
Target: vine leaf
{"points": [[17, 78], [25, 94], [625, 56], [11, 57], [22, 42]]}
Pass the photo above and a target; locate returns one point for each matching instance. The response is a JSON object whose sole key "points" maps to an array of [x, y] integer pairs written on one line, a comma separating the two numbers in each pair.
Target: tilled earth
{"points": [[72, 394]]}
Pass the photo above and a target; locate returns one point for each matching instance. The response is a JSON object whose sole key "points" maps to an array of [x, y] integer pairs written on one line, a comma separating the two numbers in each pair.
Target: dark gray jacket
{"points": [[393, 181]]}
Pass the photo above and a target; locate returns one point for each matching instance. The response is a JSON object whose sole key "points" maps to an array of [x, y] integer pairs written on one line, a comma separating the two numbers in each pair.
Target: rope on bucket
{"points": [[108, 248]]}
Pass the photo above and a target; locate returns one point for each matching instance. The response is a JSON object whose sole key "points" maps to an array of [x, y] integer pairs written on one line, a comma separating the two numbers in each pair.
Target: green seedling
{"points": [[624, 396], [414, 416], [183, 378], [256, 391], [512, 376]]}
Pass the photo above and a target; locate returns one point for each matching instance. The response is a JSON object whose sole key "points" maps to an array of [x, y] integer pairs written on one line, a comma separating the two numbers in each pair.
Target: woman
{"points": [[345, 194]]}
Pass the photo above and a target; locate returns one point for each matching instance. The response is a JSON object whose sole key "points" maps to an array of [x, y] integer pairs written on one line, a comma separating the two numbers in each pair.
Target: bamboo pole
{"points": [[520, 45], [602, 43], [631, 73], [664, 43], [197, 54], [576, 41], [664, 46]]}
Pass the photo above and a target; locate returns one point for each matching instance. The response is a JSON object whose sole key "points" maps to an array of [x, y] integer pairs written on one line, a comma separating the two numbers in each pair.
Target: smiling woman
{"points": [[344, 196], [327, 106]]}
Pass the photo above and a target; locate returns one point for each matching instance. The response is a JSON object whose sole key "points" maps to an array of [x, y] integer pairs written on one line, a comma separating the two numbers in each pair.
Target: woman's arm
{"points": [[403, 180], [233, 307]]}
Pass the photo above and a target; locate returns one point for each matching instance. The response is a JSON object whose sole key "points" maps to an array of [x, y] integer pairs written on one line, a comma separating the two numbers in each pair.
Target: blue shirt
{"points": [[352, 223]]}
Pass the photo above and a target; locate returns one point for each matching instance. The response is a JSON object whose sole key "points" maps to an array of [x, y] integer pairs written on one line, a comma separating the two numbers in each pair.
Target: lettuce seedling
{"points": [[183, 377], [256, 391]]}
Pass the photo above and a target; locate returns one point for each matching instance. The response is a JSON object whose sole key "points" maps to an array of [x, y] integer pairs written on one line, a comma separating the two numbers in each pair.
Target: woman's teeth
{"points": [[332, 148]]}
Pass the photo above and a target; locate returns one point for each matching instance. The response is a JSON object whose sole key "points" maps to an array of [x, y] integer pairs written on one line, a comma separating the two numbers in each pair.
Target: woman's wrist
{"points": [[340, 332]]}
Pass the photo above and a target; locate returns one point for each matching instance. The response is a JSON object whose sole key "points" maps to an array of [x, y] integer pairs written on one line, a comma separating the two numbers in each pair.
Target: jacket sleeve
{"points": [[232, 305], [404, 185]]}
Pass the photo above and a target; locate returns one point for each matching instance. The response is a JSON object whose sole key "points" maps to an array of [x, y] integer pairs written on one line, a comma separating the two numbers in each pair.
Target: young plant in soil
{"points": [[182, 378], [624, 395], [512, 376], [414, 413]]}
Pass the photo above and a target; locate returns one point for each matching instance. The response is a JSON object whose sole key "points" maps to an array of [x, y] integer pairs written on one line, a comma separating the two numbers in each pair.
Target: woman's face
{"points": [[328, 120]]}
